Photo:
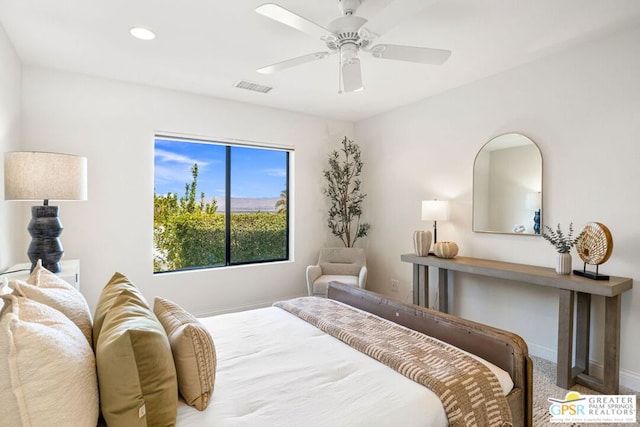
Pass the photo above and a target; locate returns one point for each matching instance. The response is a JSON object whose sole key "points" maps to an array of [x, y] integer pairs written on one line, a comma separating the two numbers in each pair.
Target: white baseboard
{"points": [[544, 352], [628, 379]]}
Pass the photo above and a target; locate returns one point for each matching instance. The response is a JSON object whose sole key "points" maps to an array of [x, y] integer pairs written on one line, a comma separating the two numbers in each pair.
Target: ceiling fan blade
{"points": [[286, 17], [352, 76], [422, 55], [270, 69], [394, 13]]}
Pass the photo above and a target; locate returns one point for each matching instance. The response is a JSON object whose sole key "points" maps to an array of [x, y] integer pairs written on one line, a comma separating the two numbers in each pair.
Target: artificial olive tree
{"points": [[344, 194]]}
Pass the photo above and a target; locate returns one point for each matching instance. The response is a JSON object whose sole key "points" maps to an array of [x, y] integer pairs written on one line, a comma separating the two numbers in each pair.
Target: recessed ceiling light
{"points": [[142, 33]]}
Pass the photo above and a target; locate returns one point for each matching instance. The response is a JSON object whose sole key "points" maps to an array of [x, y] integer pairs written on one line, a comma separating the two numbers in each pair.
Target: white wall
{"points": [[582, 108], [10, 91], [113, 125]]}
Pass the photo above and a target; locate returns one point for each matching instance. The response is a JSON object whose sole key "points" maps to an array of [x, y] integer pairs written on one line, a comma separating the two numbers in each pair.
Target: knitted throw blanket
{"points": [[469, 391]]}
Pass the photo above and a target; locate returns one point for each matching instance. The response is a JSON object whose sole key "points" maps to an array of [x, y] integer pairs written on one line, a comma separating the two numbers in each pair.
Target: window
{"points": [[218, 204]]}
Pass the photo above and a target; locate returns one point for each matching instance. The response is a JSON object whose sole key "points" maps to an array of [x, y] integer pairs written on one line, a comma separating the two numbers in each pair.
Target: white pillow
{"points": [[49, 289], [48, 369]]}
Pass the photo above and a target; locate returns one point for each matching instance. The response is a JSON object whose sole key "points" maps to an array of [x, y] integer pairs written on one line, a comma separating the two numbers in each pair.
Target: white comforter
{"points": [[275, 369]]}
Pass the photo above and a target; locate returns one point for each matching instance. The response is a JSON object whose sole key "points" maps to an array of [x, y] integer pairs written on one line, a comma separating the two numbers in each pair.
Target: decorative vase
{"points": [[422, 243], [564, 263], [445, 249]]}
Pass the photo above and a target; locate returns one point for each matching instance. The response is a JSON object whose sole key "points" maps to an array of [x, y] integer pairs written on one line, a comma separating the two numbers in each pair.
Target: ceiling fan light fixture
{"points": [[142, 33], [348, 52], [350, 72], [352, 76]]}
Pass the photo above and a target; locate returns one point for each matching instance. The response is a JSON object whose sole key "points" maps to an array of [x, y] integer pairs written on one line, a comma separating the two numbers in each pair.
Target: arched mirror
{"points": [[507, 186]]}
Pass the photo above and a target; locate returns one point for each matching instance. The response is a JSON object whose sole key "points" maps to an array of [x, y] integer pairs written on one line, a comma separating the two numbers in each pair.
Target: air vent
{"points": [[243, 84]]}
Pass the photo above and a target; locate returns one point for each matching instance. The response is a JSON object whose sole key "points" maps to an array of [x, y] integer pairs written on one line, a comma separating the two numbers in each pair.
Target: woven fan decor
{"points": [[596, 244]]}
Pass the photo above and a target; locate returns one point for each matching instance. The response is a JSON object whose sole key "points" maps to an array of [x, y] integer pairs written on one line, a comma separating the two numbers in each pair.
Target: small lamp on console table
{"points": [[30, 175], [435, 210]]}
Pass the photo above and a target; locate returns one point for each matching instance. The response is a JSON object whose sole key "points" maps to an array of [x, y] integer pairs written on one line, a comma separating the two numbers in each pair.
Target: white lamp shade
{"points": [[30, 175], [435, 210]]}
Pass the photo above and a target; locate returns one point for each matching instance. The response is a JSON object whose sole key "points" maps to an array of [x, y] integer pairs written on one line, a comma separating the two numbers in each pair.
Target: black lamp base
{"points": [[45, 228]]}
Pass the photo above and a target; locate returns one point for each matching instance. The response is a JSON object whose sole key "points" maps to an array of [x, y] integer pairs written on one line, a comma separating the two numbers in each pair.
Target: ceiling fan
{"points": [[350, 34]]}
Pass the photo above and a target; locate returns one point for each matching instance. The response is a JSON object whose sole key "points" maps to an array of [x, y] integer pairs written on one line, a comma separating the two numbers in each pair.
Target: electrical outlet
{"points": [[395, 284]]}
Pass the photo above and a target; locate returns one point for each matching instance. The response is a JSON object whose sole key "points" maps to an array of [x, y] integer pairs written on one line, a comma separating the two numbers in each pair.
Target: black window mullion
{"points": [[227, 206], [287, 212]]}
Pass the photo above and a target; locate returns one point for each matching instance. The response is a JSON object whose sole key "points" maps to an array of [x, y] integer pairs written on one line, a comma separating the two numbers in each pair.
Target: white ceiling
{"points": [[207, 46]]}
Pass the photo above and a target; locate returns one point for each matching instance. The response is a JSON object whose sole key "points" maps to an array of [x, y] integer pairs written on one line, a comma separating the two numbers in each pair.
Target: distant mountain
{"points": [[245, 204]]}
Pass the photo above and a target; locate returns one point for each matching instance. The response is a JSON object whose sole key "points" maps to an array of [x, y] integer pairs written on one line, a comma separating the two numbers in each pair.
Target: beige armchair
{"points": [[344, 265]]}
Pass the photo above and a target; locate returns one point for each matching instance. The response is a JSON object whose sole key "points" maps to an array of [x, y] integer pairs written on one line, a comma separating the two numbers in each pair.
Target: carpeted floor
{"points": [[544, 377]]}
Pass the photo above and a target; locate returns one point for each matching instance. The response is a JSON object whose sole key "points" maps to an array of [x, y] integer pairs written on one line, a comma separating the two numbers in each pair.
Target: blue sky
{"points": [[255, 172]]}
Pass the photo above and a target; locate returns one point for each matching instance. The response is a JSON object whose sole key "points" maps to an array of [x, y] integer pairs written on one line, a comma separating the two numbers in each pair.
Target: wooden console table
{"points": [[573, 291]]}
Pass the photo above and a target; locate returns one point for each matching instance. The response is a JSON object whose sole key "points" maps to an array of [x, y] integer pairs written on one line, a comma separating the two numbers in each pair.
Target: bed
{"points": [[354, 358], [277, 369]]}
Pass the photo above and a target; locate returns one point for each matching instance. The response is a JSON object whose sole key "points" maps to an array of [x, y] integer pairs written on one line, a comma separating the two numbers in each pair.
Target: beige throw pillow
{"points": [[136, 374], [193, 351], [47, 368], [110, 292], [49, 289]]}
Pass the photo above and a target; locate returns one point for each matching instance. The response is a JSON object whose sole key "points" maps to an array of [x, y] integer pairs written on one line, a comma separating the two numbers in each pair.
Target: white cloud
{"points": [[275, 172], [165, 174], [170, 157]]}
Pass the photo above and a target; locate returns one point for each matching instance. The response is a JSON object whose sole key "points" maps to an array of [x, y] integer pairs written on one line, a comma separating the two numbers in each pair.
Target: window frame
{"points": [[228, 144]]}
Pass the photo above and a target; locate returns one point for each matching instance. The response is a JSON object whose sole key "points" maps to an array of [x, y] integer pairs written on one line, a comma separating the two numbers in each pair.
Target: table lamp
{"points": [[435, 210], [30, 175]]}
